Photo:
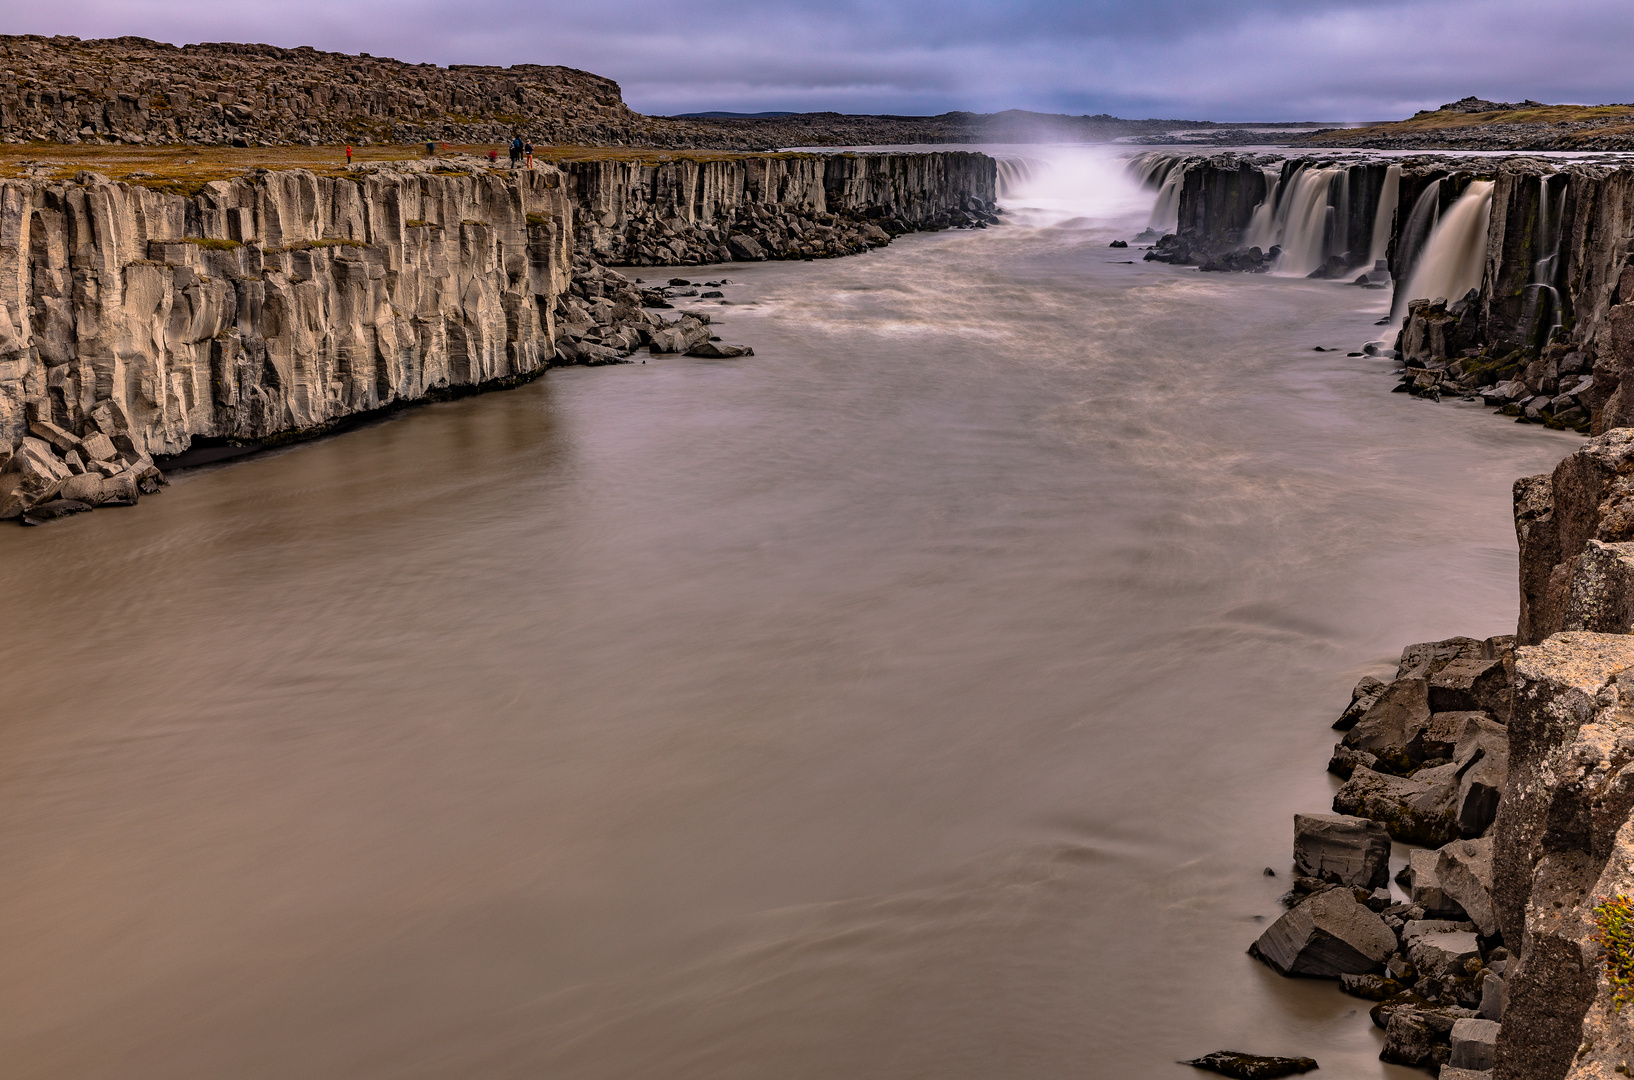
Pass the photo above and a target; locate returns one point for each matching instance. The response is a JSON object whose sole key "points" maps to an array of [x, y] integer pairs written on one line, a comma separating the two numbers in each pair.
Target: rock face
{"points": [[1562, 843], [277, 302], [789, 206], [284, 302]]}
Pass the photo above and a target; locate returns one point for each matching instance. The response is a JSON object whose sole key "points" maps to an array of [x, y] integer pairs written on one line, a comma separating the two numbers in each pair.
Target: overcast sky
{"points": [[1178, 59]]}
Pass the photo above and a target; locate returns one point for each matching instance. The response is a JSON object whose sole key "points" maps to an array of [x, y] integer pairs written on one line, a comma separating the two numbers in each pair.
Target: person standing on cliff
{"points": [[493, 157], [516, 151], [527, 151], [431, 148], [348, 155]]}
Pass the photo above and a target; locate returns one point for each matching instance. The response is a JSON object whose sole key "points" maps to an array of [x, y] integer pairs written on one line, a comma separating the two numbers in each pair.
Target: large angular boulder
{"points": [[1384, 731], [1600, 594], [1326, 936], [1443, 953], [1473, 684], [1342, 850], [1474, 1044], [1367, 691], [1482, 757], [1424, 889], [1420, 809], [1411, 1039], [1463, 871]]}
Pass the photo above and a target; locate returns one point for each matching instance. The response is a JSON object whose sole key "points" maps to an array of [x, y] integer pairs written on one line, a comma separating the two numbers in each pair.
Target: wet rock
{"points": [[98, 490], [1389, 724], [1492, 997], [746, 248], [1119, 244], [1346, 761], [1426, 659], [53, 509], [1342, 850], [1474, 1044], [1327, 936], [710, 350], [1242, 1066]]}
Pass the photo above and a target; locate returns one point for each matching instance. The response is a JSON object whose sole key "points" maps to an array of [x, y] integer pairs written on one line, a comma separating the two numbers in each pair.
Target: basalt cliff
{"points": [[138, 322]]}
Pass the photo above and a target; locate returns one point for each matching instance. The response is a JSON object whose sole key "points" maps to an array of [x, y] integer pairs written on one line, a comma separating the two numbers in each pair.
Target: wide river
{"points": [[924, 696]]}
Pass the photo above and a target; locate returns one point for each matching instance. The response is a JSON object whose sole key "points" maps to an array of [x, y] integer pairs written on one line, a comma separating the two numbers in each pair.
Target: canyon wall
{"points": [[278, 301], [281, 302], [774, 206]]}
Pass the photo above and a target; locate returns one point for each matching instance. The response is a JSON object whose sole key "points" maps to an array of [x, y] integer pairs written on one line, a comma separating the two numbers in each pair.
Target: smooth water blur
{"points": [[922, 696]]}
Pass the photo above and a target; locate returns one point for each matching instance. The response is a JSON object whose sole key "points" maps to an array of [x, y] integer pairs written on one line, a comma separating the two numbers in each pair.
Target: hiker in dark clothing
{"points": [[516, 151], [527, 152], [431, 148]]}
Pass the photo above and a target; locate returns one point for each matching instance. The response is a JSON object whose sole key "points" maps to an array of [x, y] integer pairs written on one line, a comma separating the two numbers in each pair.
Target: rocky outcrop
{"points": [[779, 206]]}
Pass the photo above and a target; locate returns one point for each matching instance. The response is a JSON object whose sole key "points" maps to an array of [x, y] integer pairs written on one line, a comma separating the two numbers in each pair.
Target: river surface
{"points": [[921, 697]]}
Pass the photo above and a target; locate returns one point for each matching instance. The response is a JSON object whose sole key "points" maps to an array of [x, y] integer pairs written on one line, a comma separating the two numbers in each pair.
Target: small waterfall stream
{"points": [[1454, 258], [1261, 231], [1385, 216], [1415, 235]]}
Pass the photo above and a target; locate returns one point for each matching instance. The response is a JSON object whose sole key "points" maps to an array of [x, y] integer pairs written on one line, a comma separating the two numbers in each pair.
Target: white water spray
{"points": [[1454, 259]]}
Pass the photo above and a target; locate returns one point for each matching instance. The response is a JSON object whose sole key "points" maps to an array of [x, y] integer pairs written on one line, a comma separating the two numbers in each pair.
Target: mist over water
{"points": [[921, 696]]}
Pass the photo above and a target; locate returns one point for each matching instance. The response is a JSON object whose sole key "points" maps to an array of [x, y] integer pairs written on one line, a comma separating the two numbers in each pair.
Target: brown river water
{"points": [[921, 697]]}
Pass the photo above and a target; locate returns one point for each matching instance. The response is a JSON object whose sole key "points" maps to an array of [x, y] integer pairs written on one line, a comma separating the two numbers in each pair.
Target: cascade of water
{"points": [[1261, 231], [1014, 174], [1546, 268], [1338, 240], [1454, 258], [1421, 221], [1166, 213], [1384, 217], [1306, 225]]}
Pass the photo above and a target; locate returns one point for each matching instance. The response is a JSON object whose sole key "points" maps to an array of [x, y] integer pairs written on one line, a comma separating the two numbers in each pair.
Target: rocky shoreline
{"points": [[1507, 764]]}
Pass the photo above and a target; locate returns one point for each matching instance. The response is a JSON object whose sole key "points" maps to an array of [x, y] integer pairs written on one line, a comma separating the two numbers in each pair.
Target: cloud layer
{"points": [[1203, 59]]}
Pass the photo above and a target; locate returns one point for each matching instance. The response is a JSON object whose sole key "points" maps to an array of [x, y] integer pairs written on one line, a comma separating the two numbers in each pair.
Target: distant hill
{"points": [[133, 90], [1476, 124]]}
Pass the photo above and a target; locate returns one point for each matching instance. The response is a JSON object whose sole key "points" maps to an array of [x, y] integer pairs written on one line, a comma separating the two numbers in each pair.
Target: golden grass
{"points": [[1439, 121], [184, 170]]}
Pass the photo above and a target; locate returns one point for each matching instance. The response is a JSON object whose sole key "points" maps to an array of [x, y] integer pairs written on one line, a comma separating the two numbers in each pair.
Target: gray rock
{"points": [[1474, 1044], [1463, 871], [1492, 997], [98, 490], [1418, 810], [711, 350], [1448, 1072], [1424, 660], [1327, 936], [1384, 731], [1442, 954], [1367, 691], [1342, 850], [1424, 886], [746, 248], [1410, 1039], [1240, 1066], [1472, 684], [1601, 592]]}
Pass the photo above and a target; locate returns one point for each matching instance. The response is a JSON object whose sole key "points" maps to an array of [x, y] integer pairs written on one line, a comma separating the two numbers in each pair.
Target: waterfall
{"points": [[1262, 230], [1545, 309], [1454, 259], [1166, 213], [1415, 234], [1306, 222], [1014, 174], [1385, 216]]}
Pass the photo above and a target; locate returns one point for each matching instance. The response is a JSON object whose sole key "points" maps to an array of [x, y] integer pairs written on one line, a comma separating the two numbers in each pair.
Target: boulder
{"points": [[1492, 997], [1370, 987], [1389, 725], [1243, 1066], [746, 248], [1326, 936], [1463, 871], [711, 350], [1436, 955], [1474, 1044], [1600, 596], [1411, 1039], [98, 447], [98, 490], [64, 441], [1342, 850], [1424, 886], [1427, 658], [1367, 692], [1346, 761], [1449, 1072], [1417, 810], [1473, 684]]}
